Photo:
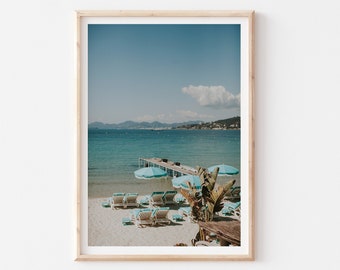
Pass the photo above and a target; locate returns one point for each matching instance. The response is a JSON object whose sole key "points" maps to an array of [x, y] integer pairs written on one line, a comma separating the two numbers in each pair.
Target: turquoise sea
{"points": [[113, 156]]}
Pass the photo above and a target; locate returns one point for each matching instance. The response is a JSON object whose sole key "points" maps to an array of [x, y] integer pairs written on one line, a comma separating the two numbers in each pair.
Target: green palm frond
{"points": [[227, 186], [218, 207], [206, 179], [214, 174], [187, 195], [209, 201], [210, 206]]}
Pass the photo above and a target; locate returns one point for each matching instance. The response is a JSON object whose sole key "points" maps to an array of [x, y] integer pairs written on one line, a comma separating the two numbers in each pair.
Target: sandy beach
{"points": [[106, 228]]}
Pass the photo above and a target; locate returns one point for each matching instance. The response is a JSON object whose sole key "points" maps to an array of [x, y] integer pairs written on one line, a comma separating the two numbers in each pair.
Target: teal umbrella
{"points": [[182, 181], [224, 169], [150, 172]]}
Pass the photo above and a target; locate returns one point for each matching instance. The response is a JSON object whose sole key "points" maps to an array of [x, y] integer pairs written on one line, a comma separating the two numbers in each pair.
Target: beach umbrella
{"points": [[224, 169], [182, 181], [150, 172]]}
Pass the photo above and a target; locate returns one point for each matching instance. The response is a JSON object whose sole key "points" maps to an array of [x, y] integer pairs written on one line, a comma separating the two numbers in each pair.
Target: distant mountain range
{"points": [[230, 123], [139, 125]]}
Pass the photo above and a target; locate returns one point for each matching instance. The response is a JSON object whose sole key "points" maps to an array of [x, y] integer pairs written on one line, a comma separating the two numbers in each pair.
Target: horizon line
{"points": [[176, 122]]}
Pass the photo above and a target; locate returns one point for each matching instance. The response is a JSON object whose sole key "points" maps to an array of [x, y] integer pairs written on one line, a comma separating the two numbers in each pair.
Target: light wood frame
{"points": [[249, 255]]}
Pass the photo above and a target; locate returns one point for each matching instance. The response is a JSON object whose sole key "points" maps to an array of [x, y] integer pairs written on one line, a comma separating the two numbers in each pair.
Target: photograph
{"points": [[165, 136]]}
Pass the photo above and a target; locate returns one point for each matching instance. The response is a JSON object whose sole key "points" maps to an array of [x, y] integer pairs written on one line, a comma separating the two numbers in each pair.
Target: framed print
{"points": [[165, 135]]}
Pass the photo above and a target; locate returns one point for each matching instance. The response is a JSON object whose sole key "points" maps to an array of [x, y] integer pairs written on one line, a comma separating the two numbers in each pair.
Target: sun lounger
{"points": [[156, 198], [160, 216], [234, 194], [168, 197], [144, 200], [117, 200], [130, 200], [144, 217], [134, 212], [231, 209]]}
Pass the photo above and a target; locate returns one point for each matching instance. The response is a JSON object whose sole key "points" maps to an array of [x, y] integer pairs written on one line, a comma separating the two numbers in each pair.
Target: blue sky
{"points": [[167, 73]]}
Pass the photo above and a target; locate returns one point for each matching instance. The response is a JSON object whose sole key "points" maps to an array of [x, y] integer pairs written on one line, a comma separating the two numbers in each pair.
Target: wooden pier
{"points": [[172, 168]]}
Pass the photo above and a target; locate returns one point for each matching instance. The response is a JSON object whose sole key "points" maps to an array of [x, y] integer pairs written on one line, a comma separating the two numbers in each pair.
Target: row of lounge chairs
{"points": [[161, 198], [159, 215], [124, 200], [148, 216], [230, 209], [158, 198]]}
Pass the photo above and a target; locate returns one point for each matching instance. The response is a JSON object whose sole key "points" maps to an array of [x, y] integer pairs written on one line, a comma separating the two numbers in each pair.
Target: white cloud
{"points": [[212, 96]]}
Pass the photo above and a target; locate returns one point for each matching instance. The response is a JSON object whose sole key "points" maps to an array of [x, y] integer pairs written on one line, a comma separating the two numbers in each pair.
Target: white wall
{"points": [[297, 133]]}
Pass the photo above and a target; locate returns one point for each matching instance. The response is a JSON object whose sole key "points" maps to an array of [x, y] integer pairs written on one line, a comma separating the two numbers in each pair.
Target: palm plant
{"points": [[207, 201]]}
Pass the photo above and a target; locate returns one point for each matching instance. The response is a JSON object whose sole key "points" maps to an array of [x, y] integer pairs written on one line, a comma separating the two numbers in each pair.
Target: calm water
{"points": [[114, 155]]}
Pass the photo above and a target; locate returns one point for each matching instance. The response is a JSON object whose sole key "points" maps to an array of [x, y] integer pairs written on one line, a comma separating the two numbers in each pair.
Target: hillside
{"points": [[139, 125], [230, 123]]}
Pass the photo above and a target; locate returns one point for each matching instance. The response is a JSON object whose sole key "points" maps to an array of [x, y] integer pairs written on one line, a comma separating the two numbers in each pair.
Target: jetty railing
{"points": [[172, 168]]}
